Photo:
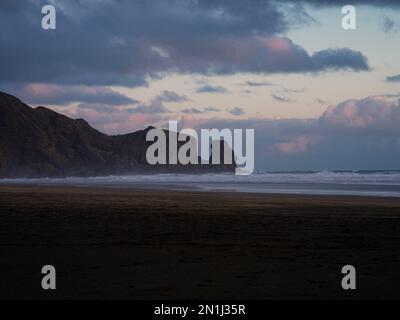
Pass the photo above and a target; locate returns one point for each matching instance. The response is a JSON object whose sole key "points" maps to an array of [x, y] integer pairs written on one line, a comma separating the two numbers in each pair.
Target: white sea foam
{"points": [[366, 183], [338, 177]]}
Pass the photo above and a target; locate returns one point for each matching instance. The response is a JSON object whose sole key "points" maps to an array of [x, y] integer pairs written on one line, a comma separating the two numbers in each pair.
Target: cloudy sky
{"points": [[318, 96]]}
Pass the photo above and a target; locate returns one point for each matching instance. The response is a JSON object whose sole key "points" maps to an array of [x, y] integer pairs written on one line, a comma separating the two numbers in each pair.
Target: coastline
{"points": [[259, 189]]}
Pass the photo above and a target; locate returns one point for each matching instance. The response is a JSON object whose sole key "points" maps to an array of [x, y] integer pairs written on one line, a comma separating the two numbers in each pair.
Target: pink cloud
{"points": [[371, 111], [278, 44]]}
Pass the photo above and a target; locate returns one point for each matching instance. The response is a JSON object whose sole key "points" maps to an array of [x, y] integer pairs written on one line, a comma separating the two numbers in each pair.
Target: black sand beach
{"points": [[143, 244]]}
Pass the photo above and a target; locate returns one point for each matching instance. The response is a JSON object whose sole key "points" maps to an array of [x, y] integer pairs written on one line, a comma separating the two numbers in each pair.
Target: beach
{"points": [[143, 243]]}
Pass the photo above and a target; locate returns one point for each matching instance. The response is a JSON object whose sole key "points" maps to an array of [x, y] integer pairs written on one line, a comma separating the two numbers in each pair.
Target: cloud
{"points": [[153, 107], [282, 94], [99, 108], [395, 78], [259, 84], [237, 111], [288, 90], [46, 94], [281, 98], [211, 89], [336, 59], [103, 50], [263, 55], [199, 111], [392, 95], [320, 101], [192, 111], [372, 113], [390, 26], [379, 3], [211, 109], [156, 105], [171, 96], [297, 14], [93, 47]]}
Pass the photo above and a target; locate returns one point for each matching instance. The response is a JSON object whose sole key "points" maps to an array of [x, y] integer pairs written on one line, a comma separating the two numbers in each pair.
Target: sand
{"points": [[110, 243]]}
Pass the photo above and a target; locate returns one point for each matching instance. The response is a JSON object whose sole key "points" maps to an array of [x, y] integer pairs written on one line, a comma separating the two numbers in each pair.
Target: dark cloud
{"points": [[395, 78], [212, 89], [297, 15], [192, 111], [392, 95], [378, 3], [289, 90], [320, 101], [282, 95], [281, 98], [199, 111], [259, 84], [124, 42], [45, 94], [340, 59], [390, 26], [171, 96], [237, 111], [268, 55], [157, 103]]}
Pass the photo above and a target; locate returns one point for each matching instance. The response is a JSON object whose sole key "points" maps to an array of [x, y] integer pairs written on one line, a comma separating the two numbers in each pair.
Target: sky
{"points": [[319, 97]]}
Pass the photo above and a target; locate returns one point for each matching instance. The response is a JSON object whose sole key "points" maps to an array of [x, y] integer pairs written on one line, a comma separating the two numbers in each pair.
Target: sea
{"points": [[344, 183]]}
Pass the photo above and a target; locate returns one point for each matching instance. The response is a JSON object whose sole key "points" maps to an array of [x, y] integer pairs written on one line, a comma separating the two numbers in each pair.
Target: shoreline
{"points": [[187, 187], [151, 188]]}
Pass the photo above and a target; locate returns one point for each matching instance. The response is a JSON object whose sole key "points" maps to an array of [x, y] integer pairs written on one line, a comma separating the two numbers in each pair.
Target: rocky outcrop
{"points": [[38, 142]]}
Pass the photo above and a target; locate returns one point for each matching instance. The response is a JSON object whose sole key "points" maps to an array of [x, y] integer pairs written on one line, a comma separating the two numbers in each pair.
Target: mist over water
{"points": [[359, 183]]}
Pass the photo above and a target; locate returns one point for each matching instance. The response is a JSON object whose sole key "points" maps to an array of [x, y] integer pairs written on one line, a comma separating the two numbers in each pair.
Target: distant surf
{"points": [[353, 183]]}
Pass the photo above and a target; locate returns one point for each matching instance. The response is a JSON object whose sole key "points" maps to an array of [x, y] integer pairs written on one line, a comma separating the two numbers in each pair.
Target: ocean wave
{"points": [[388, 177]]}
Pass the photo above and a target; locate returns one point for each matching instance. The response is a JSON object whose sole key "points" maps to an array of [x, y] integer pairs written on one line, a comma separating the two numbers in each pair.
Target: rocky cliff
{"points": [[38, 142]]}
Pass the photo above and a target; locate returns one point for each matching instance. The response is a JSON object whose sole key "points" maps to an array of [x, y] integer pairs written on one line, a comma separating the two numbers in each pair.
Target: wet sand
{"points": [[149, 244]]}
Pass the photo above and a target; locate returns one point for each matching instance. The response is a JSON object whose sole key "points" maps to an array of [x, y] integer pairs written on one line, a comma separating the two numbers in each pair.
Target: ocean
{"points": [[352, 183]]}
